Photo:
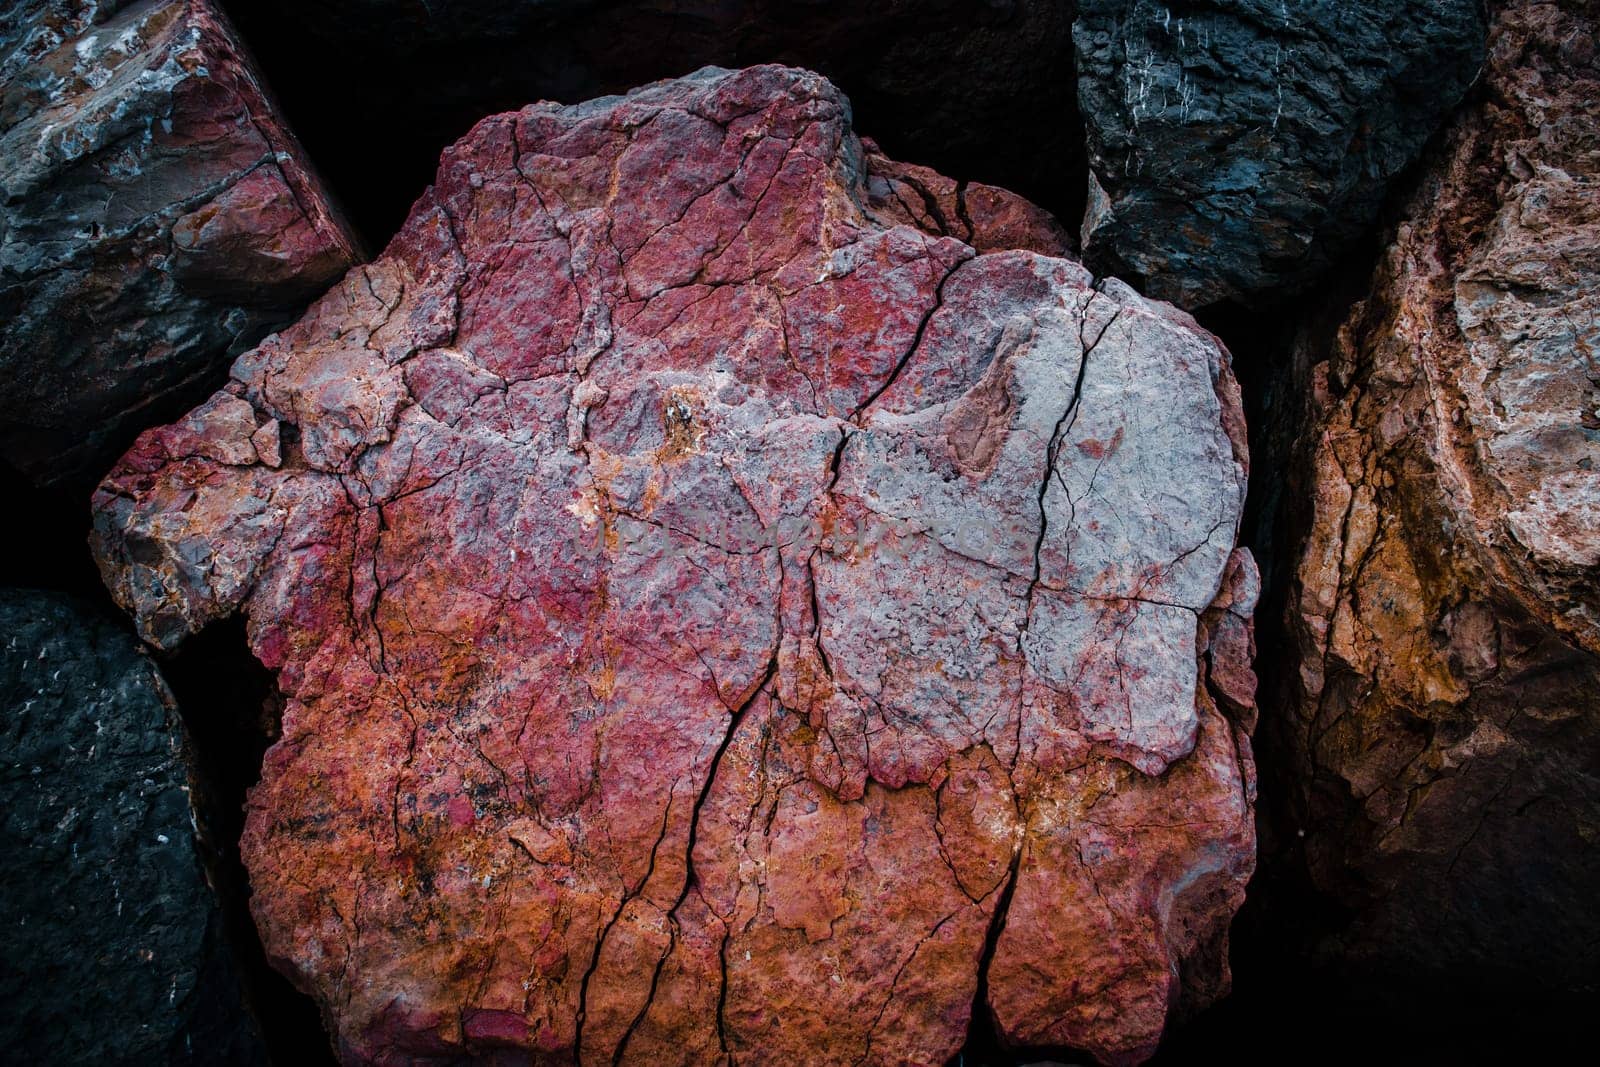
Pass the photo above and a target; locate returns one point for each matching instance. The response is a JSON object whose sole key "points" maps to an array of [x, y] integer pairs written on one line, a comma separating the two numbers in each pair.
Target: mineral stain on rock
{"points": [[727, 603]]}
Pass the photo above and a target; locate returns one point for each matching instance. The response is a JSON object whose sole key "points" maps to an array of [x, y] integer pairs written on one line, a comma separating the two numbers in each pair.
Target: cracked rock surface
{"points": [[1446, 604], [156, 220], [735, 597], [113, 951], [1237, 146]]}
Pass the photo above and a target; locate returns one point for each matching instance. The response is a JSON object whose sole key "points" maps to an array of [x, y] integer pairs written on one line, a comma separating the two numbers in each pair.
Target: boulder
{"points": [[732, 595], [1446, 726], [1237, 147], [156, 219], [113, 939]]}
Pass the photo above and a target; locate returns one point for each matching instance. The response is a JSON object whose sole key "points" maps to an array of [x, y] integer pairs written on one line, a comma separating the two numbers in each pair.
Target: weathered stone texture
{"points": [[705, 588], [112, 938], [1447, 606], [1237, 146]]}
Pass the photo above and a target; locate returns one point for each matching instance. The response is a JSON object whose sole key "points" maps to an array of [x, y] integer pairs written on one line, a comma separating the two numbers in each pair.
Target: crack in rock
{"points": [[835, 531]]}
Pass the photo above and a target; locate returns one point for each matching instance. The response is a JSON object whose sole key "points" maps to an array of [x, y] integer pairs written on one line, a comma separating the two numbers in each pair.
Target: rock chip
{"points": [[720, 612], [1447, 605], [113, 951], [1237, 146], [156, 219]]}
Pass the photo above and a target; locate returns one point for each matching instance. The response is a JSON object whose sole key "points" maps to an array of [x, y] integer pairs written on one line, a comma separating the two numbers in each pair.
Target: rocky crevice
{"points": [[229, 707]]}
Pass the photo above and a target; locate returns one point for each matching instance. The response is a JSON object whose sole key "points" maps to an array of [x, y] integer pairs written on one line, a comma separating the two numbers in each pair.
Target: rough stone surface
{"points": [[981, 88], [718, 618], [1448, 600], [1235, 146], [155, 220], [112, 948]]}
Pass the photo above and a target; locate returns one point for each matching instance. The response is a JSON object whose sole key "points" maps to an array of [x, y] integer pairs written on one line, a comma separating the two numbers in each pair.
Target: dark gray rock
{"points": [[112, 947], [155, 220], [1237, 146]]}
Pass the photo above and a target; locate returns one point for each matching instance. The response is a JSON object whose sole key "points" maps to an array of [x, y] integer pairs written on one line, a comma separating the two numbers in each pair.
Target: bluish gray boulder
{"points": [[1236, 147]]}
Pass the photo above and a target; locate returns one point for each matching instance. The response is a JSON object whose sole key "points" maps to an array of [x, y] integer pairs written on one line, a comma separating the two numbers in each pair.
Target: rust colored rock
{"points": [[1447, 606], [718, 617], [156, 220]]}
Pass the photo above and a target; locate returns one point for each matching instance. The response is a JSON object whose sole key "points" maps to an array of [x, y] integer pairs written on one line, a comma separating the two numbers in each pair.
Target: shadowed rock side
{"points": [[1448, 719], [113, 951], [155, 221], [704, 589], [1236, 146], [981, 88]]}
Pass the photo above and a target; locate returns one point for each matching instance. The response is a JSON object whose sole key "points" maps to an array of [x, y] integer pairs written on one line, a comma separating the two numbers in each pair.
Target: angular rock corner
{"points": [[156, 219], [732, 594], [1237, 148], [1446, 605]]}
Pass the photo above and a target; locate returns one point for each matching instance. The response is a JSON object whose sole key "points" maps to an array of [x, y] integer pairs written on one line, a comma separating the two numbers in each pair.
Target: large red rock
{"points": [[156, 220], [721, 613], [1447, 603]]}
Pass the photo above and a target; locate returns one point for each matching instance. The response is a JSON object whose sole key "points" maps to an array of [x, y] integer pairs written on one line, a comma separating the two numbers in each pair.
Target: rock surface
{"points": [[111, 933], [716, 616], [1236, 146], [981, 88], [1448, 600], [155, 220]]}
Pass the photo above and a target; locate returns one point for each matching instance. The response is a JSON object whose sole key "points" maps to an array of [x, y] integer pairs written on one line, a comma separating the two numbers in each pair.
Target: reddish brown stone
{"points": [[703, 597], [1447, 725]]}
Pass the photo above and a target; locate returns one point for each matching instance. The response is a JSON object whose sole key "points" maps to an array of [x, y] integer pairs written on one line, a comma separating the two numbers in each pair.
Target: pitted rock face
{"points": [[721, 613]]}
